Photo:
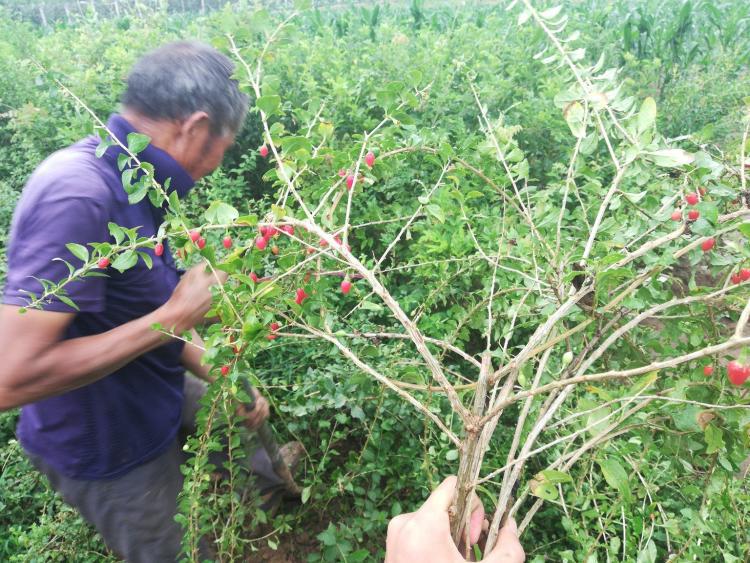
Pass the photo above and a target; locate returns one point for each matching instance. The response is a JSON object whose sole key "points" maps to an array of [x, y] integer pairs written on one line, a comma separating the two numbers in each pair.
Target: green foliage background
{"points": [[370, 456]]}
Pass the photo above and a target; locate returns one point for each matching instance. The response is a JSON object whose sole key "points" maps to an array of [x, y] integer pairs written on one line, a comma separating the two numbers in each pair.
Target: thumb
{"points": [[442, 497], [507, 549]]}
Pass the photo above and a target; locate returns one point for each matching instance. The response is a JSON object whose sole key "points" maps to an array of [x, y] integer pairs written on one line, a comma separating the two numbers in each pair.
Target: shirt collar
{"points": [[164, 165]]}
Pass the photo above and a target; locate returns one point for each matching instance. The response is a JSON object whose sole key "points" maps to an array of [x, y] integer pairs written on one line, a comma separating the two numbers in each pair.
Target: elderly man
{"points": [[104, 396]]}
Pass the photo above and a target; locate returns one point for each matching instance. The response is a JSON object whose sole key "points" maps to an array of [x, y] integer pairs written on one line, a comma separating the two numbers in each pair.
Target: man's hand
{"points": [[258, 415], [425, 535], [191, 299]]}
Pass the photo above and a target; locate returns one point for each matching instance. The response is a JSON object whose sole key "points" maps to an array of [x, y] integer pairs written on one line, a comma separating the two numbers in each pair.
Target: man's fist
{"points": [[191, 299]]}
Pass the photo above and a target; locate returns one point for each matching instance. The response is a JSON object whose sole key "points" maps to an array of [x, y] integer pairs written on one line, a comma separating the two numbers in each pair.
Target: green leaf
{"points": [[437, 212], [79, 251], [615, 476], [306, 494], [220, 212], [116, 231], [647, 115], [451, 455], [670, 158], [146, 259], [268, 104], [68, 302], [137, 142], [714, 439], [543, 489], [554, 476], [102, 147], [125, 261]]}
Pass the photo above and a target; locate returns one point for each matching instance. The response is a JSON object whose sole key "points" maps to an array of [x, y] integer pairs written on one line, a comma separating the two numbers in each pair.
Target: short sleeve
{"points": [[39, 234]]}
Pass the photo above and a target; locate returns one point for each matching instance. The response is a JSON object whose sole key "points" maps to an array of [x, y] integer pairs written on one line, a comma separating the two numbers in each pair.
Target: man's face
{"points": [[203, 152]]}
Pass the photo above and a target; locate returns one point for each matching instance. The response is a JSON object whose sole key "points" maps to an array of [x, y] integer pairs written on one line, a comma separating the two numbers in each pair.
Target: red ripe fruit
{"points": [[736, 279], [346, 286], [195, 235], [349, 182], [691, 199], [301, 296], [708, 370], [224, 370], [310, 250], [342, 173], [261, 243], [254, 277], [708, 244], [370, 159], [288, 229], [227, 242], [693, 215], [677, 215], [271, 336], [159, 249], [745, 274], [201, 243], [737, 373], [275, 326], [275, 250], [103, 263], [263, 151]]}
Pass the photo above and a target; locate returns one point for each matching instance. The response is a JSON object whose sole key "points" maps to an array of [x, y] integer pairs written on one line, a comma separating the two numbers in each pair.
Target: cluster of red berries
{"points": [[274, 326], [693, 214], [741, 276], [738, 373], [350, 180]]}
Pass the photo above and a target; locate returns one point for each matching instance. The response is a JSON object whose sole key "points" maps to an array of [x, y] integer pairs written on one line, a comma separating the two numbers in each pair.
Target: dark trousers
{"points": [[135, 513]]}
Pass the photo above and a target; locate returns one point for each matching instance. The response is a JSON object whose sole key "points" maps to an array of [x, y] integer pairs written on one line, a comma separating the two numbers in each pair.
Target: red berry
{"points": [[159, 249], [263, 151], [103, 263], [745, 274], [275, 326], [736, 279], [271, 336], [275, 250], [342, 173], [224, 370], [288, 229], [195, 235], [310, 250], [737, 373], [349, 182], [323, 243], [254, 277], [691, 199], [261, 243], [301, 296], [201, 243], [693, 215], [708, 244], [227, 242], [708, 370], [677, 215], [369, 159], [346, 286]]}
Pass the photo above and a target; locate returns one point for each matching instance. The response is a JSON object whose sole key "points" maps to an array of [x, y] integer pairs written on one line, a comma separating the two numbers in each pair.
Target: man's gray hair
{"points": [[178, 79]]}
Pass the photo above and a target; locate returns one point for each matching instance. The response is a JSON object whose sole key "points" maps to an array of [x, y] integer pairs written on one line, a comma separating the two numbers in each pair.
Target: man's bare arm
{"points": [[37, 364]]}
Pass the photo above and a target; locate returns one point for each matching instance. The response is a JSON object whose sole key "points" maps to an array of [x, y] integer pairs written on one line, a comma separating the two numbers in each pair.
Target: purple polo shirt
{"points": [[106, 428]]}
